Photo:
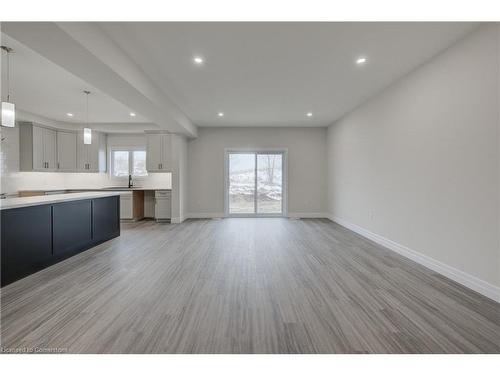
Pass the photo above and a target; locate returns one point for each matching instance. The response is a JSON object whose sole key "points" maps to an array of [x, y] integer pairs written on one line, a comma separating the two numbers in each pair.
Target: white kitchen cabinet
{"points": [[37, 158], [163, 205], [126, 206], [66, 151], [37, 148], [158, 152], [91, 158], [153, 152], [50, 148], [166, 152]]}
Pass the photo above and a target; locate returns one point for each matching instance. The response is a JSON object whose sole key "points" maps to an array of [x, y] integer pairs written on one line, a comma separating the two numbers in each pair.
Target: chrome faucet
{"points": [[130, 183]]}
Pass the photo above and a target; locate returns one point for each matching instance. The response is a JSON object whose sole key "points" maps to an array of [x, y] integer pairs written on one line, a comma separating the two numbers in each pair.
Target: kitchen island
{"points": [[39, 231]]}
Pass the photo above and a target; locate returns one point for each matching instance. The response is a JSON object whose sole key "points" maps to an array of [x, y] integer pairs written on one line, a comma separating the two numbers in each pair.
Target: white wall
{"points": [[12, 180], [179, 178], [306, 166], [419, 163]]}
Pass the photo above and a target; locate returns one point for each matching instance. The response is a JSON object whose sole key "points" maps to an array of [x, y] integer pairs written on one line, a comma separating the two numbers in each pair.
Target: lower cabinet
{"points": [[126, 208], [33, 238], [26, 241], [163, 206], [132, 205], [105, 218], [72, 229]]}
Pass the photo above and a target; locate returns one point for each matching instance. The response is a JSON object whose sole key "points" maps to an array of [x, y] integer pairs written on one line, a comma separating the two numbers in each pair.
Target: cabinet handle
{"points": [[58, 167]]}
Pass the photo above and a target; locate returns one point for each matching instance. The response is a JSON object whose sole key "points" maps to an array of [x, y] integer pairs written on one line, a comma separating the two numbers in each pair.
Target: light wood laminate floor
{"points": [[245, 286]]}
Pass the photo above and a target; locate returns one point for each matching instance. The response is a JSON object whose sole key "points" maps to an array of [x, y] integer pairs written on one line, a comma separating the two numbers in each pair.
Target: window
{"points": [[125, 162], [120, 163], [139, 164], [255, 183]]}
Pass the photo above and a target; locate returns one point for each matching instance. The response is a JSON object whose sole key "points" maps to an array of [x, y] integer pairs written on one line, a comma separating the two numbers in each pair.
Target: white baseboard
{"points": [[309, 215], [472, 282], [305, 215]]}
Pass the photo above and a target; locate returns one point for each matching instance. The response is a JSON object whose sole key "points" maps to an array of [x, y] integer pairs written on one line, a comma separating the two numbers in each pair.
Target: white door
{"points": [[163, 205], [255, 183], [126, 206], [66, 151], [154, 152], [166, 150], [93, 153], [50, 148], [39, 163], [82, 153]]}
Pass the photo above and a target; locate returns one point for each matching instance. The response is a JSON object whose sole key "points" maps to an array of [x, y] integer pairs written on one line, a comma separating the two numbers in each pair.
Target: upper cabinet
{"points": [[91, 158], [158, 152], [49, 150], [66, 151], [37, 147]]}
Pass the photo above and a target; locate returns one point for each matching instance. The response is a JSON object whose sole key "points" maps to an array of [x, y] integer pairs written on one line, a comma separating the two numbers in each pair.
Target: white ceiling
{"points": [[272, 74], [258, 74], [43, 88]]}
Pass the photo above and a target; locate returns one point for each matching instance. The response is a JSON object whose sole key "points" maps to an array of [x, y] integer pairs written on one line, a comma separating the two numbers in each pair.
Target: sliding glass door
{"points": [[255, 183]]}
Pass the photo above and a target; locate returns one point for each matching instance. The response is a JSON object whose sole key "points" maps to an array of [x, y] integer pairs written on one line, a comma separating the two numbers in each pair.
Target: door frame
{"points": [[284, 177]]}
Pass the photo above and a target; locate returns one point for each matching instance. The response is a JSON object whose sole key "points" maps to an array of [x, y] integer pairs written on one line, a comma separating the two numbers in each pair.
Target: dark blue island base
{"points": [[35, 237]]}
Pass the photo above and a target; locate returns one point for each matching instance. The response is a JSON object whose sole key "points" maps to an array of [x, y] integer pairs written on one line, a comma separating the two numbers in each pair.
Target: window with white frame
{"points": [[128, 162]]}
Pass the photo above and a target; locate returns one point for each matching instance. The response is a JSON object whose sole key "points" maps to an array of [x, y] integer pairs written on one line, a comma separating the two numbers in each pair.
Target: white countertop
{"points": [[104, 188], [49, 199]]}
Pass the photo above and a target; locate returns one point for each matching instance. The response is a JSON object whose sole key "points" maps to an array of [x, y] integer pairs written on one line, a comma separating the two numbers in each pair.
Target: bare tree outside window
{"points": [[269, 167]]}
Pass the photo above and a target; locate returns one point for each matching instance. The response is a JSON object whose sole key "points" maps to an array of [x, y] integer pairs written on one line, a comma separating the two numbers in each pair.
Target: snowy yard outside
{"points": [[269, 187]]}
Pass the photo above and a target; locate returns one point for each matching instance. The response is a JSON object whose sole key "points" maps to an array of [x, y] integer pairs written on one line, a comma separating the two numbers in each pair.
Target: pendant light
{"points": [[87, 132], [8, 108]]}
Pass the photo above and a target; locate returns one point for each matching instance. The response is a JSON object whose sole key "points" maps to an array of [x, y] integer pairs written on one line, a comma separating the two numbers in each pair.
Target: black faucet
{"points": [[130, 183]]}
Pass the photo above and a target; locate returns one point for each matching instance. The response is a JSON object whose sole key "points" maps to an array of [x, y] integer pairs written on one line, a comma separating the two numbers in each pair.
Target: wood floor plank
{"points": [[245, 286]]}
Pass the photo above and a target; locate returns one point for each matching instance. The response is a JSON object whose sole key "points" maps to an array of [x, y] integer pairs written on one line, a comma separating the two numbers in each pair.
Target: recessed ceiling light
{"points": [[69, 114], [361, 60], [220, 114], [309, 114], [198, 60], [132, 114]]}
